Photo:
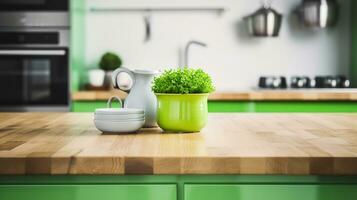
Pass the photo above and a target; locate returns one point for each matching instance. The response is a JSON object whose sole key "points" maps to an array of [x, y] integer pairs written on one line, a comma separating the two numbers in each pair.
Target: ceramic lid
{"points": [[118, 111]]}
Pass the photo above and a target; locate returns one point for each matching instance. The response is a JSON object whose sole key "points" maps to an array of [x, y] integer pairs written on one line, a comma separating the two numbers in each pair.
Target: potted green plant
{"points": [[182, 99], [109, 62]]}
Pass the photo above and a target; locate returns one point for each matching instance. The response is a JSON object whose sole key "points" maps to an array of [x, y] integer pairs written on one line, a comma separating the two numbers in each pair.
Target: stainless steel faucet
{"points": [[187, 47]]}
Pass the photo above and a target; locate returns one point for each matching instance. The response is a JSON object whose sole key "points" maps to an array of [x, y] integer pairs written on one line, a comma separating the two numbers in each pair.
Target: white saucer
{"points": [[118, 111], [119, 117], [118, 127]]}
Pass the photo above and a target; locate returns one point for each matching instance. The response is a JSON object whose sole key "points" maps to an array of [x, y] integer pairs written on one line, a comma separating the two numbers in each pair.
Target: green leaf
{"points": [[110, 61], [183, 81]]}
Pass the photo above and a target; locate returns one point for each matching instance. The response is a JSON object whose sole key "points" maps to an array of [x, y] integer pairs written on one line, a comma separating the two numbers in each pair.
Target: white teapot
{"points": [[140, 94]]}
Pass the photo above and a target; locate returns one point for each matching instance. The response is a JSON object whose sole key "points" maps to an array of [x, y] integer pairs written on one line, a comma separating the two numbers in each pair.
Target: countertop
{"points": [[253, 95], [68, 143]]}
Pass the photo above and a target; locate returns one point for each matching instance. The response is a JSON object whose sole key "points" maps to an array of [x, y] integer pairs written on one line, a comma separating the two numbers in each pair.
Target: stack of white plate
{"points": [[119, 120]]}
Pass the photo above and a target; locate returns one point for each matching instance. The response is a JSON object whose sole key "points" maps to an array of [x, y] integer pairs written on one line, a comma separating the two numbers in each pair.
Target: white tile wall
{"points": [[234, 60]]}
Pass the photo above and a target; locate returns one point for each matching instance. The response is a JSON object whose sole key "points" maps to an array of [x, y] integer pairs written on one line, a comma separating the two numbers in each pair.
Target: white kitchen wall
{"points": [[232, 58]]}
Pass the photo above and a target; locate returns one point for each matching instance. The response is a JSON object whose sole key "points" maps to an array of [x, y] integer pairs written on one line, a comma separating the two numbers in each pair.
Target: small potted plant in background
{"points": [[109, 62], [96, 78], [182, 99]]}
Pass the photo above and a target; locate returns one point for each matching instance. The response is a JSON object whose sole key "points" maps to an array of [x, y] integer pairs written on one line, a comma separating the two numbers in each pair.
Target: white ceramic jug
{"points": [[140, 95]]}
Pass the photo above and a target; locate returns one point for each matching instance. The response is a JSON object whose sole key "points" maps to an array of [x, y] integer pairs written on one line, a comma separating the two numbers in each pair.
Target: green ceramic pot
{"points": [[182, 112]]}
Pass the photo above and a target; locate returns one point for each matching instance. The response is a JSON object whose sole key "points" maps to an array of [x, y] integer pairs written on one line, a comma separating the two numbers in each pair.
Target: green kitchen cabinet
{"points": [[282, 106], [178, 187], [88, 192], [249, 106], [213, 106], [90, 106], [270, 192], [305, 106], [231, 106]]}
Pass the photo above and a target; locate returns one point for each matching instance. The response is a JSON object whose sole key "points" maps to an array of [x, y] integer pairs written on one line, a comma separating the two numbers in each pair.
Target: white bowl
{"points": [[119, 117], [118, 126], [118, 111]]}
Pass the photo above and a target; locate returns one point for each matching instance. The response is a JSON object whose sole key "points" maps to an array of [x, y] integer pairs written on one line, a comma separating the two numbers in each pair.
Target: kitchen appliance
{"points": [[272, 82], [34, 55], [265, 22], [140, 95], [301, 82], [318, 13], [332, 82], [297, 82], [34, 5]]}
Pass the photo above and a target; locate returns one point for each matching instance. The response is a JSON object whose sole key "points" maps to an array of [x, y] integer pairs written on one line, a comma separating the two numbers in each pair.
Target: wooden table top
{"points": [[68, 143], [254, 95]]}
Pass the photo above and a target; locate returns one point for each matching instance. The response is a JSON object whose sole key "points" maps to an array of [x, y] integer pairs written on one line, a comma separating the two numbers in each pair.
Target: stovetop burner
{"points": [[280, 82]]}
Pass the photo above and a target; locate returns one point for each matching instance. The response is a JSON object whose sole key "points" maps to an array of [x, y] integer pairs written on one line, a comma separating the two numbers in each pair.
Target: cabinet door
{"points": [[305, 106], [90, 106], [88, 192], [231, 106], [270, 192]]}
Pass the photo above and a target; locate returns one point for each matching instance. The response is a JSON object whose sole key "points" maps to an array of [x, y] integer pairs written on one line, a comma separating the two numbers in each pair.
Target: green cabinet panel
{"points": [[90, 106], [282, 106], [305, 106], [213, 106], [270, 192], [77, 50], [249, 106], [88, 192], [180, 187], [231, 106]]}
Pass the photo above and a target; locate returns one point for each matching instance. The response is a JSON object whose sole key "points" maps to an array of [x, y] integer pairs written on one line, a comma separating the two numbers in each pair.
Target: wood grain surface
{"points": [[97, 95], [68, 143], [258, 95]]}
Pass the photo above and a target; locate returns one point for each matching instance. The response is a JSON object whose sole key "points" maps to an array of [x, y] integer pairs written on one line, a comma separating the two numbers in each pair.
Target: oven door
{"points": [[34, 79]]}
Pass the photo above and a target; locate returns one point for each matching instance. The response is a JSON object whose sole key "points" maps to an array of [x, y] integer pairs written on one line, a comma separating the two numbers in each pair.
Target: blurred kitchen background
{"points": [[233, 57], [210, 34]]}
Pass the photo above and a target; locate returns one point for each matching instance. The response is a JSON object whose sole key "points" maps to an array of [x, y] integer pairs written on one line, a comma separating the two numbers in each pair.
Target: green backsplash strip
{"points": [[77, 53], [249, 106]]}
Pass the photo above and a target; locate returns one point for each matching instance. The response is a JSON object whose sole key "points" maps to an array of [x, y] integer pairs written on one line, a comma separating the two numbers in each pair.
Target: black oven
{"points": [[34, 5], [34, 70], [34, 55], [34, 13], [33, 78]]}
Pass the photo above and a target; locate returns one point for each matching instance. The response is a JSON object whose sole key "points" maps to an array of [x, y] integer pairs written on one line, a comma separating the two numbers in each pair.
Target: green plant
{"points": [[183, 81], [110, 61]]}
